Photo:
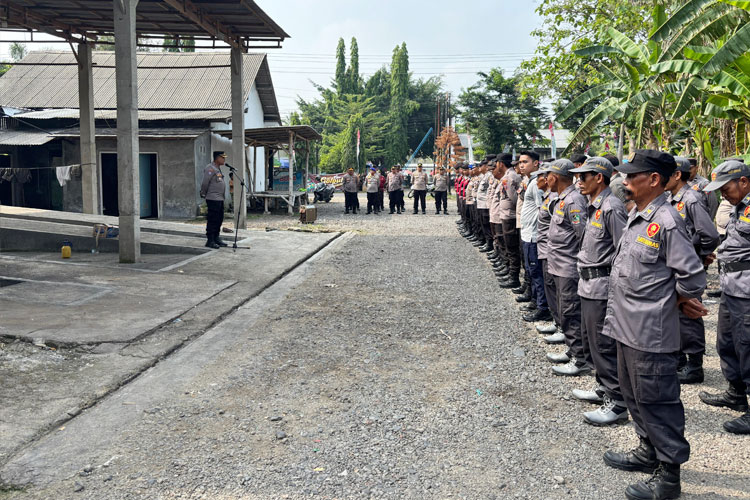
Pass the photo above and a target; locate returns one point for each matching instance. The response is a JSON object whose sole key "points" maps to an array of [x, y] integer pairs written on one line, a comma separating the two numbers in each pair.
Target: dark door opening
{"points": [[6, 191], [148, 187]]}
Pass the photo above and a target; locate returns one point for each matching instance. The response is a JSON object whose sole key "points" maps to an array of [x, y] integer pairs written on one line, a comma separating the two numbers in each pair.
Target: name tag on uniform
{"points": [[596, 224], [745, 219], [559, 212], [647, 242]]}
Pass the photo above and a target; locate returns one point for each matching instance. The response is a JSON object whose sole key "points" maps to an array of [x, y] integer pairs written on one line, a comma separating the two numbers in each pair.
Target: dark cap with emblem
{"points": [[218, 154], [649, 160], [506, 159], [578, 158], [727, 171], [683, 164], [563, 166], [596, 164]]}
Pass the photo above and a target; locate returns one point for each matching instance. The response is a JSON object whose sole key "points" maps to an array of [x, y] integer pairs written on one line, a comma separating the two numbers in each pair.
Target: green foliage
{"points": [[397, 146], [18, 51], [499, 115], [178, 44], [340, 77]]}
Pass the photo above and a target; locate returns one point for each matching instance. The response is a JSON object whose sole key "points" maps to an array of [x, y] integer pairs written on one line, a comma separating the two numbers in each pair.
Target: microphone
{"points": [[230, 167]]}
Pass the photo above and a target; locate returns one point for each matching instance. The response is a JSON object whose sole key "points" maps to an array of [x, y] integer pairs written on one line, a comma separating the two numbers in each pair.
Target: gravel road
{"points": [[399, 369]]}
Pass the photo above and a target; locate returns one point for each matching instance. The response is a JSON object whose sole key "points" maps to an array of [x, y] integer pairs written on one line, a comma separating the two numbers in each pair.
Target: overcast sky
{"points": [[454, 39]]}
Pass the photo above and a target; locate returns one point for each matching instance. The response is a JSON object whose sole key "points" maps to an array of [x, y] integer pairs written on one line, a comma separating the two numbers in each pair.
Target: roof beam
{"points": [[212, 26], [21, 15]]}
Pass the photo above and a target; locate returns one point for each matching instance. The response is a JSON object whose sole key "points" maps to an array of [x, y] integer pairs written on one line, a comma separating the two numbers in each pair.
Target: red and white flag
{"points": [[357, 143], [552, 139]]}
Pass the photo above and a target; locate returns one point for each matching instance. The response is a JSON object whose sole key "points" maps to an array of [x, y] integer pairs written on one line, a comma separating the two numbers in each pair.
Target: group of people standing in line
{"points": [[614, 260], [378, 182]]}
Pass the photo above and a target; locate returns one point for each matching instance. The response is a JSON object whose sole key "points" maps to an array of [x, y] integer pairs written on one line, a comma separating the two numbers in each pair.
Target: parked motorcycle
{"points": [[323, 192], [430, 191]]}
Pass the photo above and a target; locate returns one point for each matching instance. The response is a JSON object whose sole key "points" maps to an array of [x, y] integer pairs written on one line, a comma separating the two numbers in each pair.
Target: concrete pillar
{"points": [[238, 139], [127, 130], [89, 168], [291, 173]]}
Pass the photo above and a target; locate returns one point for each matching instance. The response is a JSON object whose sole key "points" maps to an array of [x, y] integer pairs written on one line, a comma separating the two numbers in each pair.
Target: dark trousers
{"points": [[651, 389], [350, 201], [460, 204], [373, 203], [420, 197], [497, 238], [381, 200], [550, 291], [394, 200], [214, 218], [569, 312], [534, 272], [484, 220], [603, 348], [733, 341], [476, 222], [692, 335], [512, 248], [401, 202], [441, 199]]}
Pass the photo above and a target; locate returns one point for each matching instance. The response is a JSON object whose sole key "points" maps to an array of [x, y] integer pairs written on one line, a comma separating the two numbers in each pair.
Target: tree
{"points": [[499, 115], [397, 146], [18, 51], [178, 44], [353, 79], [340, 78]]}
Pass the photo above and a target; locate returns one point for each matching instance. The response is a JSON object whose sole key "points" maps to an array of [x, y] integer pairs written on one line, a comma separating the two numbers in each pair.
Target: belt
{"points": [[733, 267], [589, 273]]}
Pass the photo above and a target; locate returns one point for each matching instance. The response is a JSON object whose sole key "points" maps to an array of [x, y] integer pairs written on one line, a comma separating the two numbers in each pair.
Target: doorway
{"points": [[147, 184], [6, 191]]}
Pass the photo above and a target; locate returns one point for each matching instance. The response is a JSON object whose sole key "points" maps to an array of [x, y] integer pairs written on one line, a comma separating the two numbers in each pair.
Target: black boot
{"points": [[538, 315], [731, 398], [524, 297], [642, 458], [511, 282], [210, 243], [739, 425], [219, 241], [663, 485], [692, 372], [681, 361], [521, 290], [529, 306]]}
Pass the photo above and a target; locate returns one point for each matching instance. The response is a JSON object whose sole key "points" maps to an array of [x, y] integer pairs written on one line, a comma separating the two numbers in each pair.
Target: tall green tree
{"points": [[340, 77], [397, 146], [178, 44], [353, 78], [499, 115]]}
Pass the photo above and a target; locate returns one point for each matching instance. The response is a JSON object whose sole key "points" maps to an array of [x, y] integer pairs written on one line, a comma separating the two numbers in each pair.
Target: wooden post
{"points": [[291, 173], [238, 139]]}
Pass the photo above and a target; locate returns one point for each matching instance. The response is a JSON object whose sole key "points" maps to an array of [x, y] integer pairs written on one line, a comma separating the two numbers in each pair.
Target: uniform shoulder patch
{"points": [[652, 229]]}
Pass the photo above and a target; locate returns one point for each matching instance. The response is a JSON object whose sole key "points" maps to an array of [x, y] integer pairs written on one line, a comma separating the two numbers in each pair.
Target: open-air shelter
{"points": [[274, 139], [240, 24]]}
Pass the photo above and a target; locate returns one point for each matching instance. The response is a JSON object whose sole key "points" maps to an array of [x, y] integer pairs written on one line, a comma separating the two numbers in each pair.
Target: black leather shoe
{"points": [[212, 244], [511, 282], [642, 458], [538, 315], [520, 290], [714, 293], [525, 297], [692, 372], [739, 425], [503, 271], [730, 398], [529, 306], [663, 485], [485, 248], [220, 242]]}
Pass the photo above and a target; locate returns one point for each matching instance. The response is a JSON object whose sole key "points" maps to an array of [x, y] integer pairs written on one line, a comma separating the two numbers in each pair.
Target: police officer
{"points": [[697, 183], [701, 230], [605, 221], [440, 180], [372, 184], [349, 185], [554, 335], [733, 331], [564, 241], [212, 189], [394, 184], [507, 188], [485, 178], [419, 187], [655, 271]]}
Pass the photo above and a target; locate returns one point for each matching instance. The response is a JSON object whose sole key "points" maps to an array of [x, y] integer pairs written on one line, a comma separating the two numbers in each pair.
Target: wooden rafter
{"points": [[22, 16], [212, 26]]}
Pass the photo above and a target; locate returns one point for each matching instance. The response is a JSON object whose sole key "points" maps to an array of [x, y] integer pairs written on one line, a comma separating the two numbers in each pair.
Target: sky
{"points": [[449, 38]]}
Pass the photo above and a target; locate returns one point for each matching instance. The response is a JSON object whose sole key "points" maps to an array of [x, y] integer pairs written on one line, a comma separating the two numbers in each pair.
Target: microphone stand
{"points": [[243, 190]]}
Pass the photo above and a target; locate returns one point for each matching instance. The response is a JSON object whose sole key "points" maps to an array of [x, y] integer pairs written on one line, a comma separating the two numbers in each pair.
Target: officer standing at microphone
{"points": [[212, 189]]}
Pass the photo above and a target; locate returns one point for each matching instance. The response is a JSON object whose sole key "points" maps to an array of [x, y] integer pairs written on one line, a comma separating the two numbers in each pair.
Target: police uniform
{"points": [[545, 218], [697, 184], [605, 222], [419, 187], [441, 192], [733, 330], [508, 194], [394, 182], [372, 183], [493, 205], [213, 188], [482, 206], [691, 206], [569, 214], [653, 264], [349, 186]]}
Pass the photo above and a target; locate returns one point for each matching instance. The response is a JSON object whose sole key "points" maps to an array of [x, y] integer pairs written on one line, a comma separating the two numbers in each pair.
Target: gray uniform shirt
{"points": [[508, 189], [349, 183], [372, 182], [213, 187], [566, 233], [441, 182], [419, 181], [482, 189], [394, 181], [532, 200], [545, 217], [709, 198], [736, 247], [700, 228], [605, 223], [654, 262]]}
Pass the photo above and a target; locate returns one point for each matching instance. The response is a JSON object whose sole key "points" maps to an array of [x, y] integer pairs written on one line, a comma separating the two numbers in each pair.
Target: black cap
{"points": [[490, 157], [578, 158], [506, 159], [649, 160]]}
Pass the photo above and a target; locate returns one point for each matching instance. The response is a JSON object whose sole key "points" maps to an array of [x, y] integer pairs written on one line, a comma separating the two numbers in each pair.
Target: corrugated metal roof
{"points": [[111, 114], [183, 88], [24, 138], [157, 133]]}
